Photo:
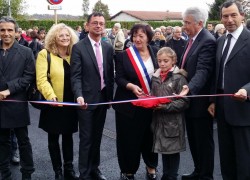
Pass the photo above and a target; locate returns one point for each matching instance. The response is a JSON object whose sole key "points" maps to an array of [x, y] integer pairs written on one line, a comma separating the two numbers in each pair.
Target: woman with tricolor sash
{"points": [[134, 69]]}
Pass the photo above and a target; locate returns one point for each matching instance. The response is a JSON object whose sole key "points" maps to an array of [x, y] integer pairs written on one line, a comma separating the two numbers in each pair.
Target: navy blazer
{"points": [[85, 76], [199, 64], [125, 74], [236, 76]]}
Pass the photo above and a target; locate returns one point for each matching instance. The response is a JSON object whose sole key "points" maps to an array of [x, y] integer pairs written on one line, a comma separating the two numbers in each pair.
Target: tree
{"points": [[214, 13], [103, 8], [85, 8], [246, 6], [16, 7]]}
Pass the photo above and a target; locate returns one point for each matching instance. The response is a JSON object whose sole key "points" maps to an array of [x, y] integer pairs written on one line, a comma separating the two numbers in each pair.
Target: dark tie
{"points": [[190, 42], [222, 62], [99, 62]]}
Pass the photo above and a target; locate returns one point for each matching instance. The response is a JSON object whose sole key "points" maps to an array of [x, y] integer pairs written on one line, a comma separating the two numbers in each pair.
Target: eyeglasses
{"points": [[95, 23]]}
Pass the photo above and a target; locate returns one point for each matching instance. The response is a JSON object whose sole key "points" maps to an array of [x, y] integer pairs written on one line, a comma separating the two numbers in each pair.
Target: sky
{"points": [[74, 7]]}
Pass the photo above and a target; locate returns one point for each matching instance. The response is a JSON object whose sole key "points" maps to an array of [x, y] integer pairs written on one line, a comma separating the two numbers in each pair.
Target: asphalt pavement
{"points": [[109, 165]]}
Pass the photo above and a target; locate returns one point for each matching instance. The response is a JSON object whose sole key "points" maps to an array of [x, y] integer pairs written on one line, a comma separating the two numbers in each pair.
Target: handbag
{"points": [[34, 94]]}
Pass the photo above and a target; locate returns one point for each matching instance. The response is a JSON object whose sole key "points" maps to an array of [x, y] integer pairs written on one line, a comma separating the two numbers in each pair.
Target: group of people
{"points": [[68, 70]]}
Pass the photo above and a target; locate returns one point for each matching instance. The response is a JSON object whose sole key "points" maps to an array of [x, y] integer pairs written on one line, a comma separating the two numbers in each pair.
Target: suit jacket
{"points": [[199, 65], [16, 75], [85, 76], [125, 74], [236, 76]]}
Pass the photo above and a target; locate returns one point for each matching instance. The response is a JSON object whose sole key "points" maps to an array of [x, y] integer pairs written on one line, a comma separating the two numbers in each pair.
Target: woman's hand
{"points": [[135, 89]]}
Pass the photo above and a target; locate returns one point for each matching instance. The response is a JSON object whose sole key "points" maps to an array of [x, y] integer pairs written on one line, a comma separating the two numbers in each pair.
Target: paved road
{"points": [[109, 165]]}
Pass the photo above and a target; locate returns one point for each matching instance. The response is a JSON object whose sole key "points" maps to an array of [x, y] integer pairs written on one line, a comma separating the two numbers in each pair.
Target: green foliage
{"points": [[85, 8], [17, 7], [214, 13], [103, 8]]}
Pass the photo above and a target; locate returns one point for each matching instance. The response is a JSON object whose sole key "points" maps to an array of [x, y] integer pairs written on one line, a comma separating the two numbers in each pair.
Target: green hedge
{"points": [[24, 24]]}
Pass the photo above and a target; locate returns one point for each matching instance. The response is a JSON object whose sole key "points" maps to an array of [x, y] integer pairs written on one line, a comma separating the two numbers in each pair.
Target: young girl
{"points": [[168, 119]]}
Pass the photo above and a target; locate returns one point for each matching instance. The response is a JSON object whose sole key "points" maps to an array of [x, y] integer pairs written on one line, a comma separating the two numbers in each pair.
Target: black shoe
{"points": [[193, 176], [127, 177], [58, 175], [26, 176], [70, 175], [97, 175], [150, 176]]}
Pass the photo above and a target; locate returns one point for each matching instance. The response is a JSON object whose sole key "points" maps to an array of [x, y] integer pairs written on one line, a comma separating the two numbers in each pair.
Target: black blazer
{"points": [[199, 64], [16, 75], [236, 76], [85, 76], [125, 74]]}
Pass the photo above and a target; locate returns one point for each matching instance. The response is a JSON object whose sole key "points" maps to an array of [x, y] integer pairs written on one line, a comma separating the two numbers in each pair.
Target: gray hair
{"points": [[198, 13], [117, 25], [176, 28], [7, 19]]}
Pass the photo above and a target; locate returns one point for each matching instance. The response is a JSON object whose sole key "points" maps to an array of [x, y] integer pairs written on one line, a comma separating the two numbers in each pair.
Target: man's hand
{"points": [[211, 109], [4, 94], [135, 89], [184, 91], [80, 100], [241, 95]]}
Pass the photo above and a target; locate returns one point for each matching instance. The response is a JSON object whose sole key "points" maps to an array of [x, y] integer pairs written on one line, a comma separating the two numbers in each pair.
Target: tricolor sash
{"points": [[140, 68]]}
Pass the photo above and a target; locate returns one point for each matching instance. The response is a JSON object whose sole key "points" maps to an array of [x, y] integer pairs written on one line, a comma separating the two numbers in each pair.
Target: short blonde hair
{"points": [[168, 51], [50, 39]]}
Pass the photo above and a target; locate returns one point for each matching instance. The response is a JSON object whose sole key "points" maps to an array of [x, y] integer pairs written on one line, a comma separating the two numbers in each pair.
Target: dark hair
{"points": [[94, 14], [230, 3], [145, 28], [5, 19], [41, 30], [33, 34], [248, 24]]}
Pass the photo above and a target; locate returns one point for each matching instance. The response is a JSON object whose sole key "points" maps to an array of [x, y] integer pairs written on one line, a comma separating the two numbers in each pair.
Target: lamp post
{"points": [[9, 8]]}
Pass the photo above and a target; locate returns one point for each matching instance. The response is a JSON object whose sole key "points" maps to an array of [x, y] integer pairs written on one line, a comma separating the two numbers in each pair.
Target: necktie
{"points": [[99, 62], [190, 42], [222, 62]]}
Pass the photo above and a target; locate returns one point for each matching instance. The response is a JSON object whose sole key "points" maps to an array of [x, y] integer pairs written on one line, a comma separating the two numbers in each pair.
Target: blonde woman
{"points": [[58, 120]]}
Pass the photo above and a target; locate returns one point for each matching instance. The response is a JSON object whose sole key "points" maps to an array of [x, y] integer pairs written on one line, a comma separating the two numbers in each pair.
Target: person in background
{"points": [[232, 76], [92, 79], [248, 24], [105, 36], [78, 31], [35, 28], [119, 38], [168, 124], [134, 137], [84, 32], [41, 35], [219, 30], [158, 39], [20, 39], [58, 120], [198, 61], [177, 43], [210, 28], [34, 44], [169, 33], [17, 72]]}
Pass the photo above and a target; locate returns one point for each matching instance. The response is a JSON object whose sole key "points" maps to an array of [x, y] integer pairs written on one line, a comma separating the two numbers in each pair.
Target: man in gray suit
{"points": [[17, 71], [92, 77], [232, 76]]}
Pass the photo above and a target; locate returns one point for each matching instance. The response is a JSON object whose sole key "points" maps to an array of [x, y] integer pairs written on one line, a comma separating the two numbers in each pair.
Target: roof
{"points": [[152, 15]]}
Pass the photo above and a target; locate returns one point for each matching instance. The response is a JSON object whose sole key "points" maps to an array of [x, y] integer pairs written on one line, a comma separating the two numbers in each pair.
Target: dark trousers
{"points": [[55, 153], [170, 164], [25, 150], [234, 147], [200, 138], [13, 142], [134, 138], [91, 123]]}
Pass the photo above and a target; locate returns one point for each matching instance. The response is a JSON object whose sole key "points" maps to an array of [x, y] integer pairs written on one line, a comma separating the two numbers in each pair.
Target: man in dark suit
{"points": [[198, 60], [92, 82], [17, 71], [233, 77]]}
